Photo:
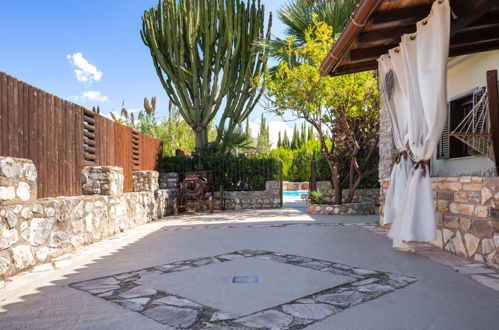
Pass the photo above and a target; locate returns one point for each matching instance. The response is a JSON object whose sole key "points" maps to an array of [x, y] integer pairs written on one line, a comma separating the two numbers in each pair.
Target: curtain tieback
{"points": [[422, 164], [403, 153]]}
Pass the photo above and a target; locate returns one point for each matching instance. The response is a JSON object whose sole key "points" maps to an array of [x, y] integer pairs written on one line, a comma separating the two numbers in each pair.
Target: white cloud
{"points": [[275, 127], [94, 96], [84, 71]]}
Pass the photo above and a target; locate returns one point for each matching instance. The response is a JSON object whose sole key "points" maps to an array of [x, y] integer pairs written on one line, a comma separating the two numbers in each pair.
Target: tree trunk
{"points": [[201, 137], [335, 180]]}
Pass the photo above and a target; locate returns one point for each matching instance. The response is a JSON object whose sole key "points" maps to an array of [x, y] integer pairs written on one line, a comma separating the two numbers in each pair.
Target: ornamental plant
{"points": [[343, 110]]}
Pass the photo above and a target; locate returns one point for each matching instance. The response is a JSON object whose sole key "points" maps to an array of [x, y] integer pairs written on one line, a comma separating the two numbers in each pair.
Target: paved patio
{"points": [[252, 269]]}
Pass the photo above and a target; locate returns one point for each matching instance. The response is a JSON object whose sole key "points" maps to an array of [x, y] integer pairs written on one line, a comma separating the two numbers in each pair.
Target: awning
{"points": [[377, 26]]}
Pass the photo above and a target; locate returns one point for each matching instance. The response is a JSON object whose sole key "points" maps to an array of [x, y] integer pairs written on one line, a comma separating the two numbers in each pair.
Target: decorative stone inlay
{"points": [[130, 290]]}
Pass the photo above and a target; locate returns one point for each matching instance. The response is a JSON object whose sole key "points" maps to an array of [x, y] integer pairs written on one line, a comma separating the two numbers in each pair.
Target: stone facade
{"points": [[344, 209], [33, 231], [17, 181], [467, 216]]}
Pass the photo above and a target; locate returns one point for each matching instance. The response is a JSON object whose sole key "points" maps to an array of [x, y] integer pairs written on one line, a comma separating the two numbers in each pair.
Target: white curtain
{"points": [[425, 65], [391, 72]]}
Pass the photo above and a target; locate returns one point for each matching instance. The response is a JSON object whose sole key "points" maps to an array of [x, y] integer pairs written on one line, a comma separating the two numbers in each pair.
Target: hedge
{"points": [[235, 173]]}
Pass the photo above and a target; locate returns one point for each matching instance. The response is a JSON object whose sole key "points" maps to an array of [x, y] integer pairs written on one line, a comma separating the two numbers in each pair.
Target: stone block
{"points": [[442, 205], [482, 211], [471, 242], [454, 208], [472, 187], [17, 181], [491, 181], [102, 180], [445, 195], [488, 245], [476, 179], [450, 221], [459, 245], [486, 195], [482, 228], [467, 209], [23, 258], [145, 181], [453, 186], [465, 179], [464, 224]]}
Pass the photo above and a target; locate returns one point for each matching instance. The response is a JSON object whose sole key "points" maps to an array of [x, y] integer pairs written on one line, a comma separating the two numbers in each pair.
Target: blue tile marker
{"points": [[245, 279]]}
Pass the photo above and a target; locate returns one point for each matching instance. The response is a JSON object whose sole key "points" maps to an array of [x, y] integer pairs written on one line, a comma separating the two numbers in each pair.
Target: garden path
{"points": [[249, 269]]}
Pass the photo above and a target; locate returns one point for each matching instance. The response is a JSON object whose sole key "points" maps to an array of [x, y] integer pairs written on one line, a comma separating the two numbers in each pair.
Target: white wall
{"points": [[465, 73]]}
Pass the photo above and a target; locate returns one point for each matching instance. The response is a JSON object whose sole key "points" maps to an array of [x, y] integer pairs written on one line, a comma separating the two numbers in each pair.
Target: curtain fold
{"points": [[391, 72], [425, 58]]}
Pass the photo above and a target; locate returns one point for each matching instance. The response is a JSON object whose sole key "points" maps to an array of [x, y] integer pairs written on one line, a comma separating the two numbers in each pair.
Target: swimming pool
{"points": [[295, 193]]}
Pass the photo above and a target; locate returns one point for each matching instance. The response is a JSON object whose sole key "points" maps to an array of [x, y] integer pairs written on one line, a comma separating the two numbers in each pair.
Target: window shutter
{"points": [[443, 144]]}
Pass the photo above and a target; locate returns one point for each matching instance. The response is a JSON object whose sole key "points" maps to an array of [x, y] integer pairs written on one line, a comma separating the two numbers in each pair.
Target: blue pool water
{"points": [[294, 193]]}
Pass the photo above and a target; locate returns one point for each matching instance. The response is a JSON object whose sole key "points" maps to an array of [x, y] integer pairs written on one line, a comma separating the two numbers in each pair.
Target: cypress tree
{"points": [[295, 140], [285, 141]]}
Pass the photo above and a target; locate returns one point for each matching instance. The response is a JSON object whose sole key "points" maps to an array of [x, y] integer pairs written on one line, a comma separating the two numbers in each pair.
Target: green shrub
{"points": [[319, 196], [296, 164], [234, 173]]}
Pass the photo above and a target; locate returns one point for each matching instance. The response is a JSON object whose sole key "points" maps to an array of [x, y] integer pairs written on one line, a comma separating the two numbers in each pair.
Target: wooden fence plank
{"points": [[79, 146], [4, 128], [50, 131], [1, 116], [26, 121]]}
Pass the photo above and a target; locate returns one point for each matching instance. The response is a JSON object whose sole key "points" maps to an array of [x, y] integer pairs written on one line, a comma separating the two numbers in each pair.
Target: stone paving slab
{"points": [[157, 296], [480, 272]]}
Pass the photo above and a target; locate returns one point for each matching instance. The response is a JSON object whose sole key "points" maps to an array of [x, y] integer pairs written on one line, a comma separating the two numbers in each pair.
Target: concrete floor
{"points": [[440, 299]]}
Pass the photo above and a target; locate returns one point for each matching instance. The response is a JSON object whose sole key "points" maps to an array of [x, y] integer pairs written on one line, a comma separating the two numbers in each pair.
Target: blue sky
{"points": [[44, 42]]}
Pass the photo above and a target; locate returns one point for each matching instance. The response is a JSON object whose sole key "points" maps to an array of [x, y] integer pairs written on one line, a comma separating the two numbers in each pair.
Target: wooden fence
{"points": [[61, 137]]}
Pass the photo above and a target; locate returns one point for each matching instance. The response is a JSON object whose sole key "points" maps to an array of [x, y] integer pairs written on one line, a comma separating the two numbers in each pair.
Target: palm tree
{"points": [[297, 16]]}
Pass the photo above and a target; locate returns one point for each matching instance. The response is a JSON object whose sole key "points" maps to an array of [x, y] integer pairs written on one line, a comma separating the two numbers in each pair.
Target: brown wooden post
{"points": [[313, 176], [493, 112]]}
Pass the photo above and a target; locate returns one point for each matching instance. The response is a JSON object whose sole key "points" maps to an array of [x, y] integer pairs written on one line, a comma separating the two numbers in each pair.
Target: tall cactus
{"points": [[205, 56]]}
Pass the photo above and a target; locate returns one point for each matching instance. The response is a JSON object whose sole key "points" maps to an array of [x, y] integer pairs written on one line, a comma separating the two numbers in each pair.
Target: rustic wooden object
{"points": [[195, 190]]}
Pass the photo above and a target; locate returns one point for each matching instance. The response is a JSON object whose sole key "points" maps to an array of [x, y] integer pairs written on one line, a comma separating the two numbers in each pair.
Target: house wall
{"points": [[466, 190], [466, 73], [467, 216]]}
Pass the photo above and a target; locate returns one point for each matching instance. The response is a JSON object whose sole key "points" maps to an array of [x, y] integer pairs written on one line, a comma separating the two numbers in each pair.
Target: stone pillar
{"points": [[17, 180], [145, 181], [274, 190], [102, 180], [386, 145], [168, 180]]}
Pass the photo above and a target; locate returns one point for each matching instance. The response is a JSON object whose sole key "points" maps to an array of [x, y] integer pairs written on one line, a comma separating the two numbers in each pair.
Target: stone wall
{"points": [[467, 216], [343, 209], [168, 180], [33, 231], [263, 199], [361, 195], [295, 186]]}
